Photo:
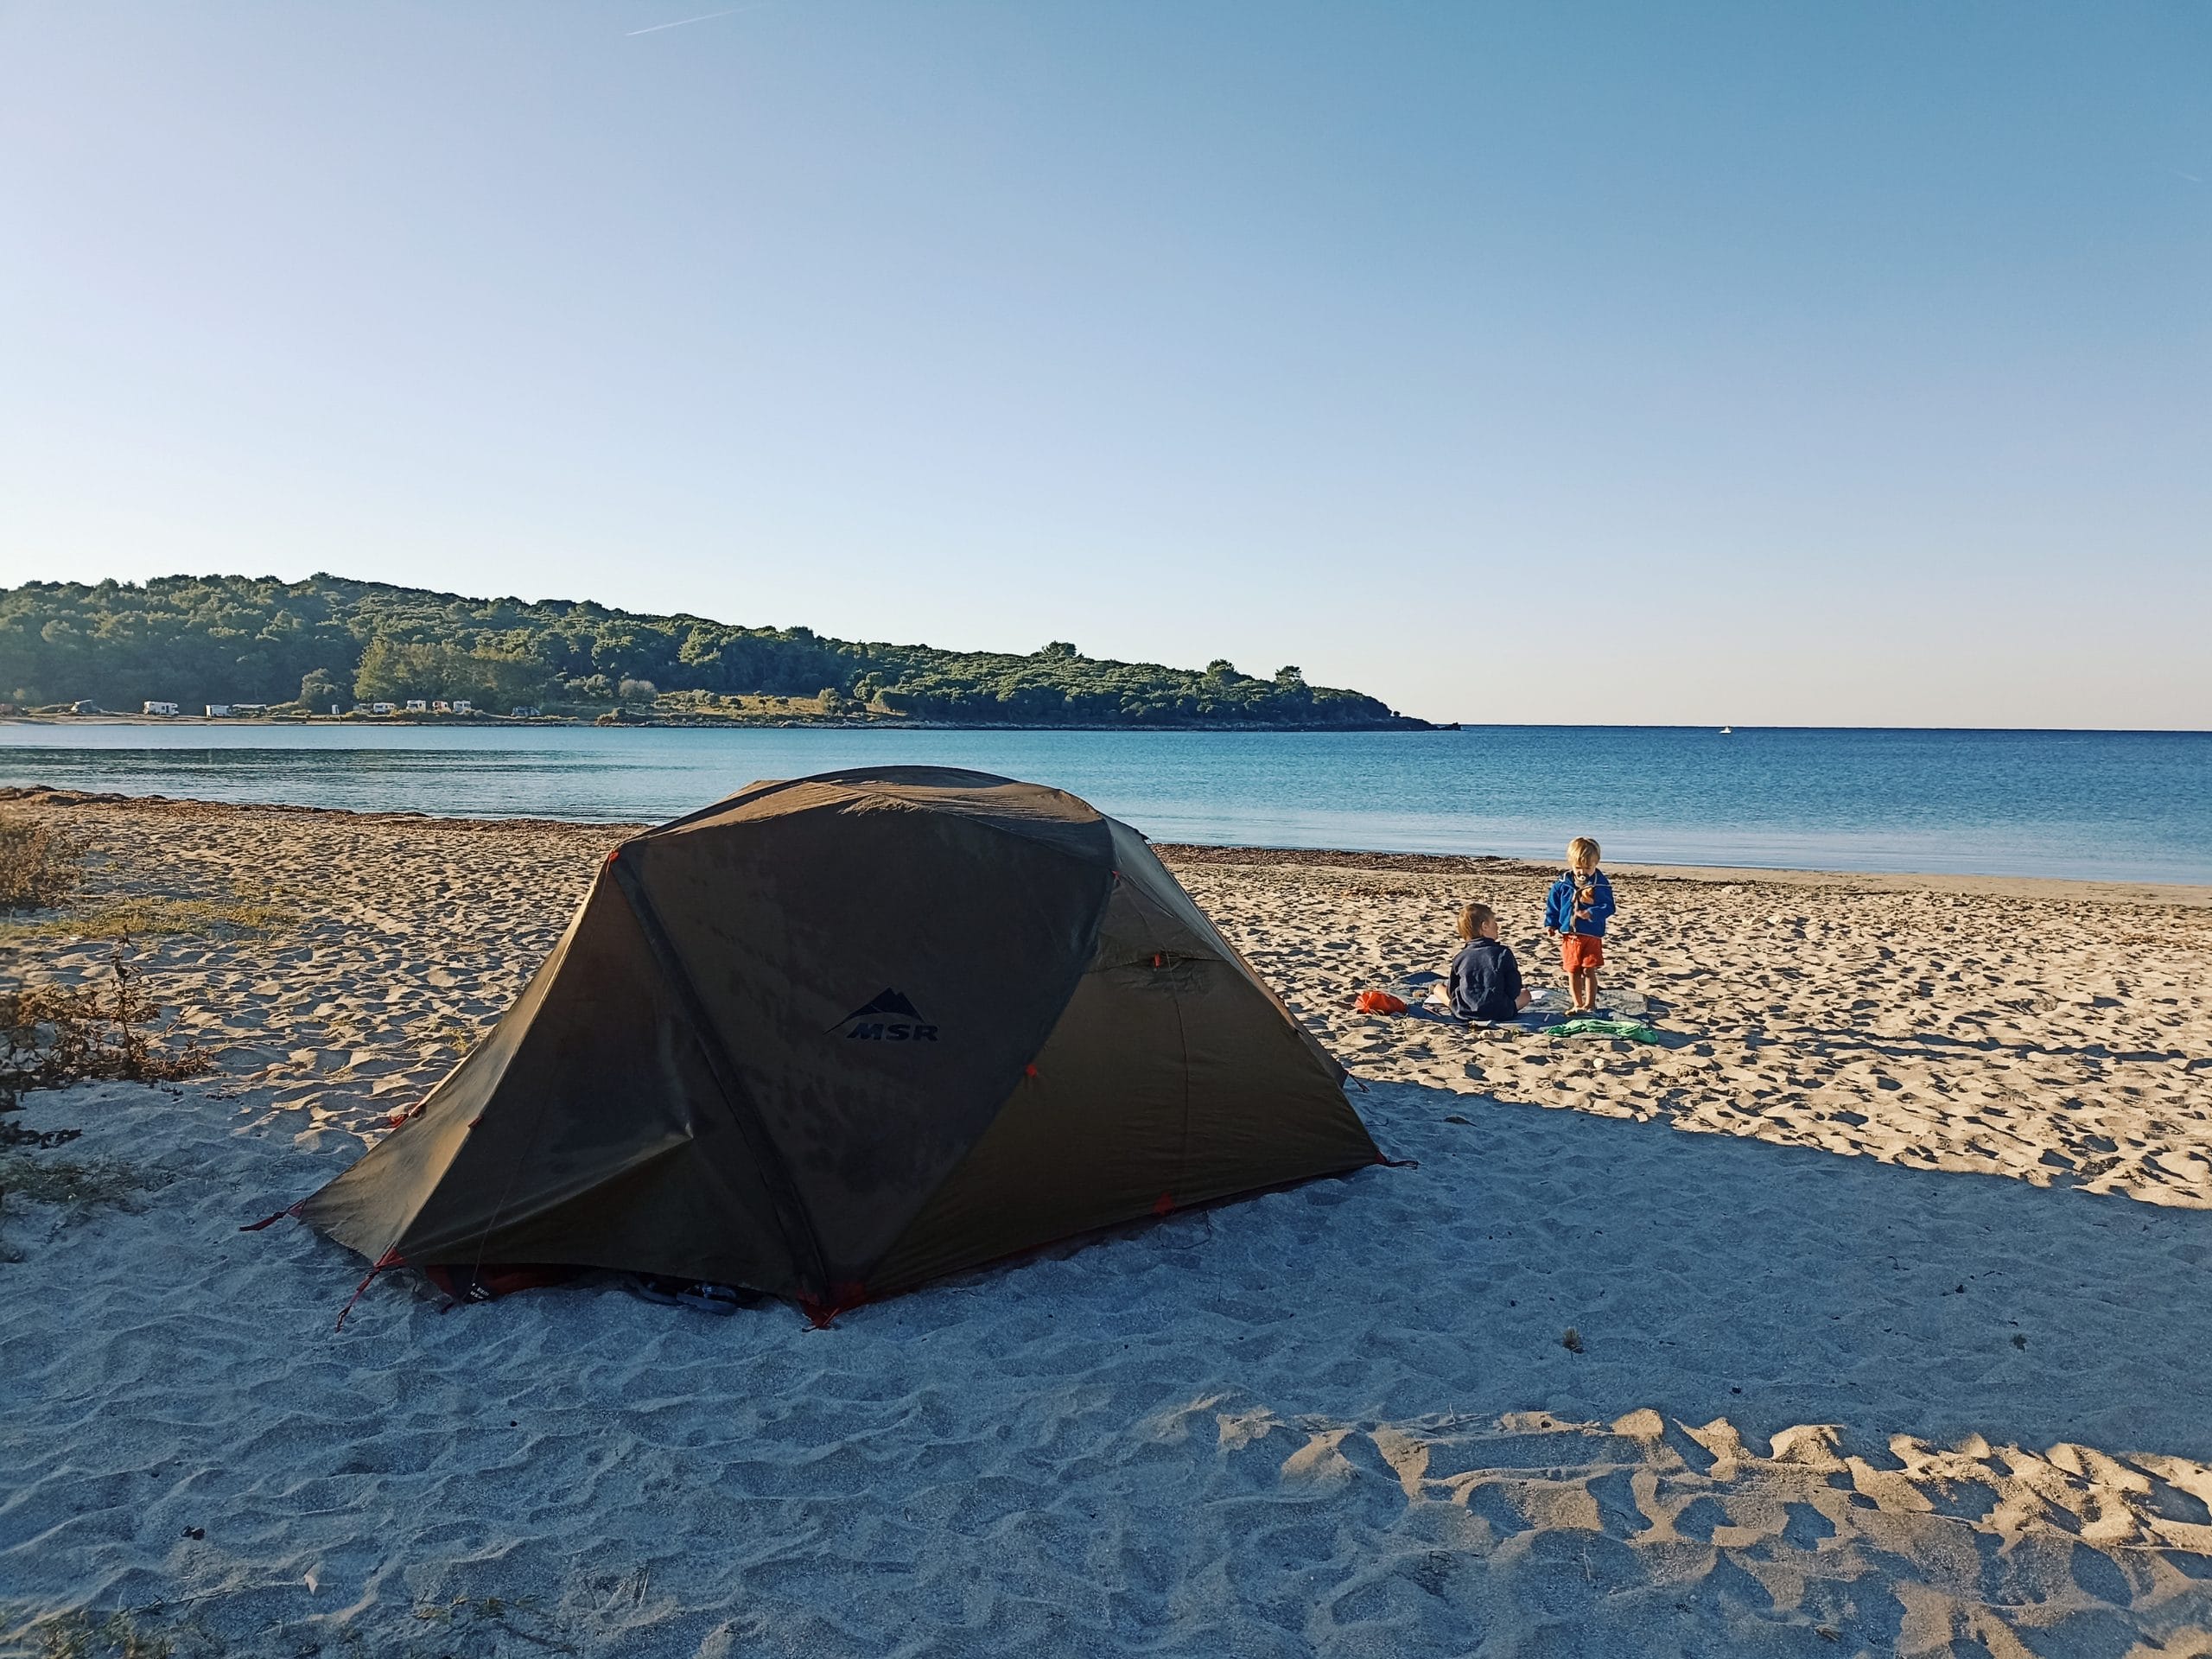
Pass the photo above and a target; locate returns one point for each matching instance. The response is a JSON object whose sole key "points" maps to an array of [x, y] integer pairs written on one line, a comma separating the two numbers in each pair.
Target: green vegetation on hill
{"points": [[200, 639]]}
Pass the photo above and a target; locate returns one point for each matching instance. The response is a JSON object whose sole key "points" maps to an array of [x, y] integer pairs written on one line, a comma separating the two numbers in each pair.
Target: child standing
{"points": [[1575, 911], [1485, 980]]}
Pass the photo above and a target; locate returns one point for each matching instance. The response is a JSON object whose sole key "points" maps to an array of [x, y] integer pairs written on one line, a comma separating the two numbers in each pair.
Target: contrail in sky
{"points": [[704, 17]]}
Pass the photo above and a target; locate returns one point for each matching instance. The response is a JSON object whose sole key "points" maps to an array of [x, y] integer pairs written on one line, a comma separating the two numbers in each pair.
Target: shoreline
{"points": [[902, 722], [2187, 895], [717, 723]]}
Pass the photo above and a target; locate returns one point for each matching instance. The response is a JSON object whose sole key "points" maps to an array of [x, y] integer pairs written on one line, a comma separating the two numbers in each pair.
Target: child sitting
{"points": [[1576, 910], [1484, 981]]}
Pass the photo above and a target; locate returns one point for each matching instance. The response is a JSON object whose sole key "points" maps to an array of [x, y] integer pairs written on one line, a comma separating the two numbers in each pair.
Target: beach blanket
{"points": [[1619, 1005], [1593, 1026], [1430, 998]]}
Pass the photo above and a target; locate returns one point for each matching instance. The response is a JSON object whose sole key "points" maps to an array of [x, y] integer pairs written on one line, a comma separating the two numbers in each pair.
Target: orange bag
{"points": [[1378, 1002]]}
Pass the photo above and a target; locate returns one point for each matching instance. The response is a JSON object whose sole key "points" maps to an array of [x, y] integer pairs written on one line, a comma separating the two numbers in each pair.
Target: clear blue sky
{"points": [[1766, 364]]}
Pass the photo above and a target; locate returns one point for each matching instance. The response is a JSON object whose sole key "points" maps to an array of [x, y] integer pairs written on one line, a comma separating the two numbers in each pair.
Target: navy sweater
{"points": [[1485, 981]]}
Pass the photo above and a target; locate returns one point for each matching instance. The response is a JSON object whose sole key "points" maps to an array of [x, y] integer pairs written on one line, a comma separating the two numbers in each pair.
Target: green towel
{"points": [[1590, 1026]]}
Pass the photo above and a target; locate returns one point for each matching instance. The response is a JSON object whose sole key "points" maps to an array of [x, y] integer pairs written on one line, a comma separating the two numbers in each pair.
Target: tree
{"points": [[237, 638], [396, 670]]}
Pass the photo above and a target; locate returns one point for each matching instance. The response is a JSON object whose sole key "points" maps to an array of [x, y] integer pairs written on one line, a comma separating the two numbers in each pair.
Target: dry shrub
{"points": [[54, 1035], [40, 865], [81, 1184], [87, 1635]]}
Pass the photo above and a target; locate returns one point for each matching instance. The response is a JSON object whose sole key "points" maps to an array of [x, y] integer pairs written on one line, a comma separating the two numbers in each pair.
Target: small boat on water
{"points": [[1727, 731]]}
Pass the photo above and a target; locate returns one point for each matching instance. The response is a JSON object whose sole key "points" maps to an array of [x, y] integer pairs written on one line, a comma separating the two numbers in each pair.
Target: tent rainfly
{"points": [[834, 1038]]}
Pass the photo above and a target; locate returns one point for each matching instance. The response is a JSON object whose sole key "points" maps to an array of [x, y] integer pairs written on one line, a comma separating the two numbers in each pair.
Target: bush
{"points": [[40, 865], [54, 1035]]}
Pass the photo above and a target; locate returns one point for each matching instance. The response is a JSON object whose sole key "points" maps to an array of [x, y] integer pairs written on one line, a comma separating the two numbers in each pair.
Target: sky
{"points": [[1605, 364]]}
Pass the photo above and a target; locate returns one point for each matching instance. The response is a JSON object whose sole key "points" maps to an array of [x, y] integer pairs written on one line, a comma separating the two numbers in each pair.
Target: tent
{"points": [[834, 1038]]}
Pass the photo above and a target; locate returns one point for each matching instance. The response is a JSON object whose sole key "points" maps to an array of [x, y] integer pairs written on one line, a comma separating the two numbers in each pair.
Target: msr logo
{"points": [[888, 1018]]}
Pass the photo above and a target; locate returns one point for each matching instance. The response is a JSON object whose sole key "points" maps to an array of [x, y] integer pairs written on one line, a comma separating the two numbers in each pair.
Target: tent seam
{"points": [[859, 793], [1088, 957], [792, 1220]]}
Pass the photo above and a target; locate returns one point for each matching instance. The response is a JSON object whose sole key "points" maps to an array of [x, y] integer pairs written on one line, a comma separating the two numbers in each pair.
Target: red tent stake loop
{"points": [[389, 1259]]}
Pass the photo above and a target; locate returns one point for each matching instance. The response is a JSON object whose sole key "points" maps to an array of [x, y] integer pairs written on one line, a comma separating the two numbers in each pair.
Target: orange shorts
{"points": [[1581, 950]]}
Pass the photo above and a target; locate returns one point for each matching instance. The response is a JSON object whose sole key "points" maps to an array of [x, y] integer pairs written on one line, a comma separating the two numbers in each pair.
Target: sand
{"points": [[2054, 1031], [1885, 1273]]}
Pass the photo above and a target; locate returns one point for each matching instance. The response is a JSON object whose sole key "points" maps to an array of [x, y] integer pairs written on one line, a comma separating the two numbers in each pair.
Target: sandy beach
{"points": [[1862, 1314]]}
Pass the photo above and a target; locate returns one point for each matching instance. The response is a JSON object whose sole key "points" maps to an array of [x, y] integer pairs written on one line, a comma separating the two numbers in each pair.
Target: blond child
{"points": [[1575, 913]]}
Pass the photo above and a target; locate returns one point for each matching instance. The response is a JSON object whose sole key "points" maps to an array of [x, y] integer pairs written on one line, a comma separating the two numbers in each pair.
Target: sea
{"points": [[2133, 806]]}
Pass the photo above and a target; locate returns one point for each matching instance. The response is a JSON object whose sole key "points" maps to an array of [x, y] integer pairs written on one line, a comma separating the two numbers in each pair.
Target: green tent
{"points": [[834, 1038]]}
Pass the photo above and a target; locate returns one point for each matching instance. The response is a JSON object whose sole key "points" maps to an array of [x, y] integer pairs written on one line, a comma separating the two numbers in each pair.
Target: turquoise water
{"points": [[2122, 805]]}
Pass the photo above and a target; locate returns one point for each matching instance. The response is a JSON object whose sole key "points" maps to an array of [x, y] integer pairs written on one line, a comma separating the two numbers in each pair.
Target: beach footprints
{"points": [[1528, 1519], [2046, 1036]]}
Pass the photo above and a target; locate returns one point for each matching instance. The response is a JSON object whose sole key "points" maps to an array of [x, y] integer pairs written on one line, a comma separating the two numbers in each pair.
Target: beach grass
{"points": [[81, 1184], [78, 1186], [43, 871], [81, 1634], [154, 916]]}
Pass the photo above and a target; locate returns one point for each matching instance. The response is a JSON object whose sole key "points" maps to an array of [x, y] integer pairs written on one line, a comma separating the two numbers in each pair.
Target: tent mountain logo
{"points": [[887, 1017]]}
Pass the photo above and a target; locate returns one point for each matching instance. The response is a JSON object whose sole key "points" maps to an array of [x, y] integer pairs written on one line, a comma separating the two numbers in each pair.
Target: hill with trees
{"points": [[202, 639]]}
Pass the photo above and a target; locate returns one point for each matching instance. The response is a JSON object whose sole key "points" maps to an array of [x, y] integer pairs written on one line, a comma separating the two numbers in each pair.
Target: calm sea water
{"points": [[2113, 805]]}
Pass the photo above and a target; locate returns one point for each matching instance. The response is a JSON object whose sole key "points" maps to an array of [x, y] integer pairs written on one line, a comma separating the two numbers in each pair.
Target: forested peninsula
{"points": [[307, 647]]}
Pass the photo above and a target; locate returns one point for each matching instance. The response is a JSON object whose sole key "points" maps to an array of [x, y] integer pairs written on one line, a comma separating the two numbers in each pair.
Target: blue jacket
{"points": [[1559, 904], [1485, 981]]}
